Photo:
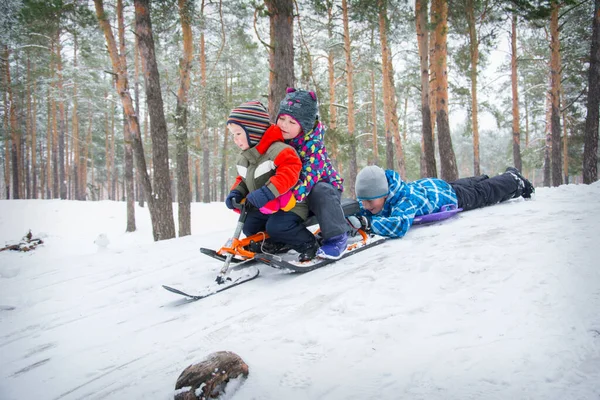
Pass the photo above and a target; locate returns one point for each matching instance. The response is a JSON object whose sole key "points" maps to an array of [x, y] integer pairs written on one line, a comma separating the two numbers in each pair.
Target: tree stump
{"points": [[208, 379]]}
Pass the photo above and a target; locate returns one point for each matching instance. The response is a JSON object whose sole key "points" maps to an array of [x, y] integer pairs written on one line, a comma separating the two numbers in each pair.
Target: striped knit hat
{"points": [[253, 117]]}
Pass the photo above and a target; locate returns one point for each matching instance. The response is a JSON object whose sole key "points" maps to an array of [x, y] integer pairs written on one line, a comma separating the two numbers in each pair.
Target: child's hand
{"points": [[259, 197], [234, 194]]}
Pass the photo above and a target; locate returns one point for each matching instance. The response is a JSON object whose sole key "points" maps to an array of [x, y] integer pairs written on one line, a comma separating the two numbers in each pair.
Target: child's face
{"points": [[239, 136], [290, 128], [374, 206]]}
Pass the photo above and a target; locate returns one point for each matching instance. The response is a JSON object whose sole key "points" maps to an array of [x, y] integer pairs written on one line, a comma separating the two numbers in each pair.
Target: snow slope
{"points": [[497, 303]]}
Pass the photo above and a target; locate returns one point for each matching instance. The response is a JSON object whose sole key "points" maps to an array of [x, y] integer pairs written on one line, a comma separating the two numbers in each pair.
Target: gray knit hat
{"points": [[371, 183], [300, 105]]}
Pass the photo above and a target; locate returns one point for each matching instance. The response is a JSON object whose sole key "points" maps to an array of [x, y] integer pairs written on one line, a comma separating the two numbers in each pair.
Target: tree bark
{"points": [[7, 145], [516, 130], [128, 153], [449, 171], [75, 132], [14, 132], [34, 183], [590, 150], [122, 88], [548, 143], [62, 184], [158, 124], [555, 65], [332, 129], [205, 141], [350, 88], [183, 173], [389, 92], [281, 56], [474, 52], [375, 159]]}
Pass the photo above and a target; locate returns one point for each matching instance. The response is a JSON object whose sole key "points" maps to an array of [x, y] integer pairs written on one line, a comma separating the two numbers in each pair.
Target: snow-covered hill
{"points": [[497, 303]]}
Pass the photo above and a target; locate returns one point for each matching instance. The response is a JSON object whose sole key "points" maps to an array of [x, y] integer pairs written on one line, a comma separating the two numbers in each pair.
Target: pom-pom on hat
{"points": [[371, 183], [300, 105], [253, 117]]}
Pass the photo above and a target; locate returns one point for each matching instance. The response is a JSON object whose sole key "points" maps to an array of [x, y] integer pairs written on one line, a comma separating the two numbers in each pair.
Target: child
{"points": [[390, 205], [268, 169], [319, 185]]}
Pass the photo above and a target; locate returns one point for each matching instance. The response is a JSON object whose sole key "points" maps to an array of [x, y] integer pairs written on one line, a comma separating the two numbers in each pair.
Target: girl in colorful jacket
{"points": [[267, 171], [319, 185], [390, 205]]}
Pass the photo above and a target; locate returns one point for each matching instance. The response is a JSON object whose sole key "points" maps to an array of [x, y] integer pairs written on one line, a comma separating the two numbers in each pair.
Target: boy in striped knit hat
{"points": [[267, 171]]}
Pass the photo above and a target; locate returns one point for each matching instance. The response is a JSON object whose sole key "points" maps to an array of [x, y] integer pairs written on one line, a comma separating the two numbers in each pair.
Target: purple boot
{"points": [[334, 247]]}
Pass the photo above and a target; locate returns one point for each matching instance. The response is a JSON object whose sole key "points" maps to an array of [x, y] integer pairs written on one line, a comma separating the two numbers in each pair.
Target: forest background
{"points": [[112, 100]]}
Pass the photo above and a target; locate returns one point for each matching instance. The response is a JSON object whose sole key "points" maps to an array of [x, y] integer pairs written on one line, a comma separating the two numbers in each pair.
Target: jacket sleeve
{"points": [[288, 166], [398, 223], [240, 186], [311, 171]]}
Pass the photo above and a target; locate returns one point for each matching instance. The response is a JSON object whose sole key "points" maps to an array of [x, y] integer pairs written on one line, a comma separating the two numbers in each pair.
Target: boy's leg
{"points": [[486, 192], [470, 181], [325, 202], [287, 227], [255, 222]]}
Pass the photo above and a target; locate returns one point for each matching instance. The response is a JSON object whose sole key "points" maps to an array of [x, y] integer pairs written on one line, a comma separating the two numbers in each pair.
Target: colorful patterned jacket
{"points": [[316, 165], [273, 164], [405, 201]]}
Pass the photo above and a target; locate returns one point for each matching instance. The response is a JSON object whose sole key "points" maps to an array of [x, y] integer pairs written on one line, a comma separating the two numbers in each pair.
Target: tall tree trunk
{"points": [[516, 130], [391, 94], [474, 52], [49, 131], [389, 141], [350, 88], [548, 142], [136, 92], [332, 129], [7, 144], [433, 21], [62, 121], [555, 66], [87, 150], [281, 56], [158, 125], [590, 150], [158, 218], [34, 184], [184, 197], [28, 132], [15, 134], [565, 147], [223, 172], [375, 159], [128, 153], [449, 171], [75, 131], [205, 142]]}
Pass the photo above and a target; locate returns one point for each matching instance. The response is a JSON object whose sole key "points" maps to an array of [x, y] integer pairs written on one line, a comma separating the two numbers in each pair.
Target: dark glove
{"points": [[364, 223], [259, 197], [358, 222], [233, 195]]}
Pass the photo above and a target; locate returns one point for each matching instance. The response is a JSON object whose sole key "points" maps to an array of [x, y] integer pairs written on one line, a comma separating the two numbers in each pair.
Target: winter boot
{"points": [[307, 251], [526, 189], [268, 247], [334, 247]]}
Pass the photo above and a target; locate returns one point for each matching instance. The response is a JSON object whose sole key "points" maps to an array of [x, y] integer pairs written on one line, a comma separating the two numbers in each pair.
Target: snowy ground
{"points": [[497, 303]]}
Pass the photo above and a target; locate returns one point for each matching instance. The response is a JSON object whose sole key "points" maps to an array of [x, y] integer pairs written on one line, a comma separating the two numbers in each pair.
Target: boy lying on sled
{"points": [[389, 206]]}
